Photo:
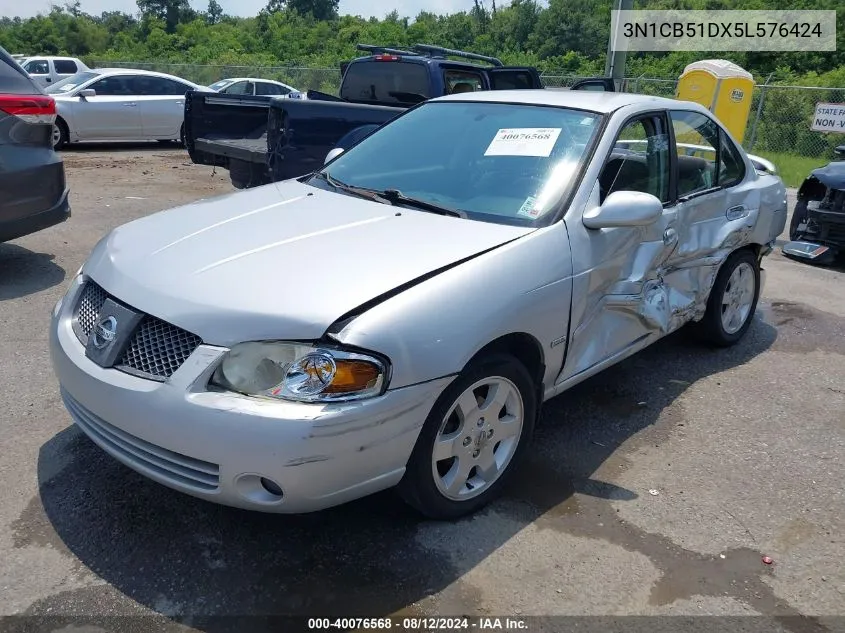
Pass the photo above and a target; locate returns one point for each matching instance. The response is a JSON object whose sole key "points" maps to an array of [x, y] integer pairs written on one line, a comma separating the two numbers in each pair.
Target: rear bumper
{"points": [[13, 229]]}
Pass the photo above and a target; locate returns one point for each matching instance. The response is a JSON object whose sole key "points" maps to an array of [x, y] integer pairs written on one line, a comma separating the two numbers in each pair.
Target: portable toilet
{"points": [[723, 88]]}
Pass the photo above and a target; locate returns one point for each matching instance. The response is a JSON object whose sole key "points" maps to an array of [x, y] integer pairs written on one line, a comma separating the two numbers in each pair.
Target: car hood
{"points": [[831, 175], [281, 261]]}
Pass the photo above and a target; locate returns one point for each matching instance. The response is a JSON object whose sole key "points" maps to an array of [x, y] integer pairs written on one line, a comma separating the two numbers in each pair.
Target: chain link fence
{"points": [[322, 79], [779, 123]]}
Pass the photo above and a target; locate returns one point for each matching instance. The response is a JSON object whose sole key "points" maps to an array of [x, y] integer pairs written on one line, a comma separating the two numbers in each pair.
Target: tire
{"points": [[457, 485], [735, 276], [182, 136], [799, 214], [61, 136]]}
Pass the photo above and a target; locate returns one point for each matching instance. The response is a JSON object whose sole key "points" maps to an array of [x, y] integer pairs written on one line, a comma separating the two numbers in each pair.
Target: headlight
{"points": [[300, 372]]}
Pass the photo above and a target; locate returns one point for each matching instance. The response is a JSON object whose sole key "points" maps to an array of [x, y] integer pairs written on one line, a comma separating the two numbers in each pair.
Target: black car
{"points": [[817, 230], [33, 191]]}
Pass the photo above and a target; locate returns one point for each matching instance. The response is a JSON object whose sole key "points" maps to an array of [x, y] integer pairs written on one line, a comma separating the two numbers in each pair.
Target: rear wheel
{"points": [[472, 440], [732, 301], [60, 134]]}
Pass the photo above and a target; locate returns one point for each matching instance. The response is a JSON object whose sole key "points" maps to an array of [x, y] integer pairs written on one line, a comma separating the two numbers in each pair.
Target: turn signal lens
{"points": [[353, 376]]}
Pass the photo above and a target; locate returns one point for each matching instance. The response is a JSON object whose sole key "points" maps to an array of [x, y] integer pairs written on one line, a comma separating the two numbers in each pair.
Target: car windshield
{"points": [[69, 83], [496, 162], [220, 84]]}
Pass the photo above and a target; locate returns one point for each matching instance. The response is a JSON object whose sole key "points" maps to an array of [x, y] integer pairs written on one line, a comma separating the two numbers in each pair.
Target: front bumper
{"points": [[218, 446]]}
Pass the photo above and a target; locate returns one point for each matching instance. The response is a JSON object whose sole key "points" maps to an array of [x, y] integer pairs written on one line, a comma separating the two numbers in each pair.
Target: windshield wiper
{"points": [[395, 196], [367, 194]]}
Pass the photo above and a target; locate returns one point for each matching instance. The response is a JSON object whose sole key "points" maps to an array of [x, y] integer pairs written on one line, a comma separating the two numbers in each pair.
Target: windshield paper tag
{"points": [[524, 141], [527, 209]]}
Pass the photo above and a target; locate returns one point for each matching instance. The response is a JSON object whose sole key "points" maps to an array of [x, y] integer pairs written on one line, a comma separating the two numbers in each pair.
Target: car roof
{"points": [[53, 57], [136, 71], [269, 81], [595, 101], [430, 61]]}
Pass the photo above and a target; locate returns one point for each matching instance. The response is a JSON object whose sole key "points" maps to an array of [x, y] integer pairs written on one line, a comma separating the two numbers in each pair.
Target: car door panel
{"points": [[623, 299], [162, 115], [106, 117], [162, 111]]}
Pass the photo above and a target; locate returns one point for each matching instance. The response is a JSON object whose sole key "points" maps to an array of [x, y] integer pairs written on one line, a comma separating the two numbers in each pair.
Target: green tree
{"points": [[173, 12], [214, 13]]}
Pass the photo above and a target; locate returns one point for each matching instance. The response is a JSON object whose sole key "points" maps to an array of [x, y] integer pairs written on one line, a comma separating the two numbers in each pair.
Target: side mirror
{"points": [[624, 208], [337, 151], [88, 92]]}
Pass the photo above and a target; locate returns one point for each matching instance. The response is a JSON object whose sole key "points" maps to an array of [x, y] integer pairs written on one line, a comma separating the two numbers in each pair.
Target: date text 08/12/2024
{"points": [[418, 624]]}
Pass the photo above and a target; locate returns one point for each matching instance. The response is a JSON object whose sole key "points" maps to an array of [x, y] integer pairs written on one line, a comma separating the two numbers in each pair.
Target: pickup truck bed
{"points": [[252, 150], [236, 132]]}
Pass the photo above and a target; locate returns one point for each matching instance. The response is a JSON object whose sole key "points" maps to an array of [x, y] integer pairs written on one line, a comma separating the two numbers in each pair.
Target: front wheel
{"points": [[732, 301], [473, 438]]}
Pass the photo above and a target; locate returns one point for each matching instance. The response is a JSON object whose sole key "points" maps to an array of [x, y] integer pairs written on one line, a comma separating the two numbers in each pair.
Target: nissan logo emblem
{"points": [[105, 332]]}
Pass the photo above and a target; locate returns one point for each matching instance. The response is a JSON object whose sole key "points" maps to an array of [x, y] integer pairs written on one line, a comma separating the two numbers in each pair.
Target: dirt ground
{"points": [[653, 489]]}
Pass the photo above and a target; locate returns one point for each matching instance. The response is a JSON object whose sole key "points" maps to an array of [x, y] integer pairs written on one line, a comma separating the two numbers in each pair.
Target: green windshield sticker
{"points": [[527, 209]]}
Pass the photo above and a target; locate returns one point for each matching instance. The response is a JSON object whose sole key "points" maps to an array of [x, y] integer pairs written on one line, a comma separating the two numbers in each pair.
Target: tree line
{"points": [[566, 37]]}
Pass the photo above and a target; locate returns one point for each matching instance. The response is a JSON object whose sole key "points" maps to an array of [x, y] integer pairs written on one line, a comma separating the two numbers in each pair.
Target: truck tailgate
{"points": [[219, 127]]}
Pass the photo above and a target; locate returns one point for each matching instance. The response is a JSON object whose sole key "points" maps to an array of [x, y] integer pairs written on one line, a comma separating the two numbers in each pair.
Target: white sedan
{"points": [[119, 104], [253, 86]]}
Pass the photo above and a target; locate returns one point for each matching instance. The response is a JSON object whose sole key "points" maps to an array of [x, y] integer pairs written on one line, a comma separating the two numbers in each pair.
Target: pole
{"points": [[615, 65], [753, 135]]}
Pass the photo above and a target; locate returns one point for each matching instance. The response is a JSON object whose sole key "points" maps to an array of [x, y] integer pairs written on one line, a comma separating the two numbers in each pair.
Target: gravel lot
{"points": [[744, 448]]}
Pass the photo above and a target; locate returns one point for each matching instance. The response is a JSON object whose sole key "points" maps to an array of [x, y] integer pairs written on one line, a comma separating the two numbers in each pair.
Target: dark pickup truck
{"points": [[266, 139]]}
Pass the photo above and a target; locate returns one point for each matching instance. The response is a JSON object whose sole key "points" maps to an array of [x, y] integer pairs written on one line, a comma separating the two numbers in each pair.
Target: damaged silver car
{"points": [[398, 317]]}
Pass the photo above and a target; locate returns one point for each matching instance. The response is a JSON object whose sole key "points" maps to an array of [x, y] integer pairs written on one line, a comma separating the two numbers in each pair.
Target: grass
{"points": [[791, 168]]}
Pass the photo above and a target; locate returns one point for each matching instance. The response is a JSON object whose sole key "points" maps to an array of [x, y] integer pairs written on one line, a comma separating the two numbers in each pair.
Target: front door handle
{"points": [[669, 235], [130, 105], [737, 212]]}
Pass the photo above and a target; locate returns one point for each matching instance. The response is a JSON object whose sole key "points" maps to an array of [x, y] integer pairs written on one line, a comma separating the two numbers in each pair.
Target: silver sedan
{"points": [[398, 317], [119, 104]]}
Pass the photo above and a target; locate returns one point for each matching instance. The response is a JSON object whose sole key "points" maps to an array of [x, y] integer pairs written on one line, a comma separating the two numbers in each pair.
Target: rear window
{"points": [[65, 66], [13, 79], [385, 82]]}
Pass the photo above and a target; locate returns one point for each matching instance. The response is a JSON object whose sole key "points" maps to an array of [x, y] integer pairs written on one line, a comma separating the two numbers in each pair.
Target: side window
{"points": [[240, 88], [697, 141], [264, 88], [458, 81], [169, 87], [145, 85], [37, 67], [116, 85], [511, 80], [731, 165], [639, 160], [65, 66]]}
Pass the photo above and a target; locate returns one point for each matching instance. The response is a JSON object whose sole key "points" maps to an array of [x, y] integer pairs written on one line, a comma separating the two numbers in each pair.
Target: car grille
{"points": [[177, 469], [90, 303], [156, 348]]}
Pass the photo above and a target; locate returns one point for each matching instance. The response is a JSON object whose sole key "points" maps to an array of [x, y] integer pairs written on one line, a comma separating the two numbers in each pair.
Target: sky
{"points": [[366, 8]]}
